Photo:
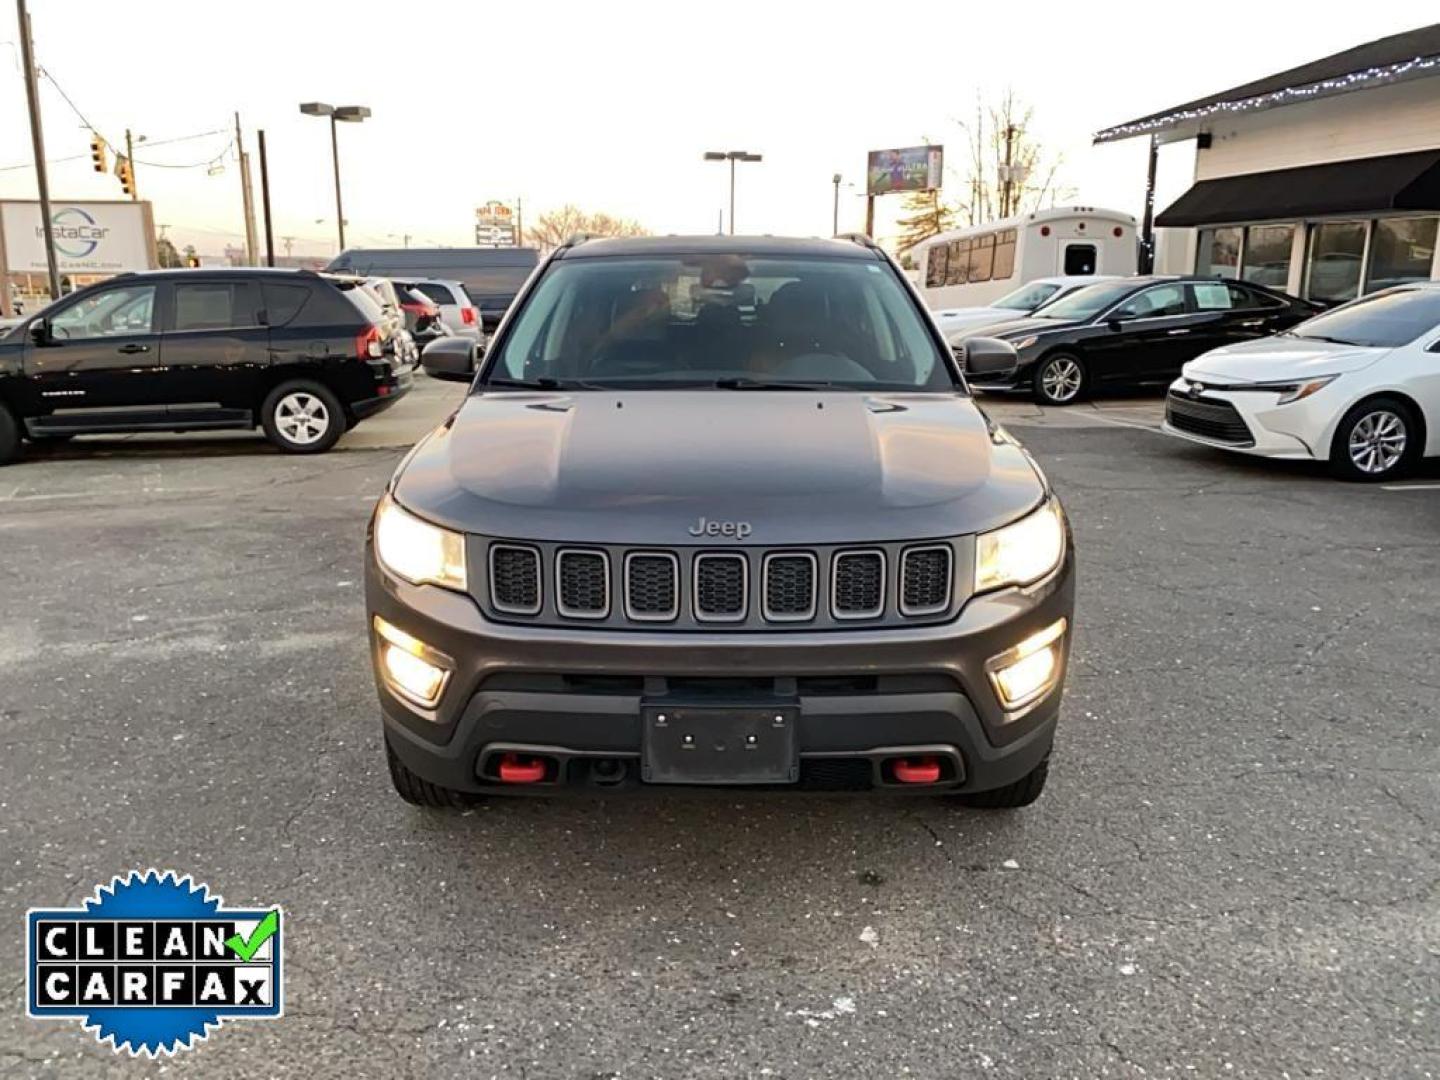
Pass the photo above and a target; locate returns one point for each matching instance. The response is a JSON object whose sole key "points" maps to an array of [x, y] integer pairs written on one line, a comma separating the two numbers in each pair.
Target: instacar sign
{"points": [[90, 237]]}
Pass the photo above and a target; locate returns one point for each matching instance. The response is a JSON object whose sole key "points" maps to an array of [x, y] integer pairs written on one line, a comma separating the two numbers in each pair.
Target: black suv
{"points": [[1134, 331], [300, 354]]}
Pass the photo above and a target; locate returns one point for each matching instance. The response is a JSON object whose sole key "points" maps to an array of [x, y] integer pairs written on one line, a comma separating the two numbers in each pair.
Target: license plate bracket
{"points": [[706, 744]]}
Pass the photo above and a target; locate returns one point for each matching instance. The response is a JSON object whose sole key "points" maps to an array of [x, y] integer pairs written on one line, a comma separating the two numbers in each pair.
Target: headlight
{"points": [[417, 551], [1298, 391], [1025, 343], [1023, 552]]}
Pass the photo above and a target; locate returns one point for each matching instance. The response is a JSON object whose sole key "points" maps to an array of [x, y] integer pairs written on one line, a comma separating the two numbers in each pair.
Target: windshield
{"points": [[699, 320], [1386, 319], [1087, 302], [1027, 297]]}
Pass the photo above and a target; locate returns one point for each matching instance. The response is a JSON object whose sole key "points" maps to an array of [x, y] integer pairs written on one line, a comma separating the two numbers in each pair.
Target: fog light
{"points": [[1029, 670], [411, 668]]}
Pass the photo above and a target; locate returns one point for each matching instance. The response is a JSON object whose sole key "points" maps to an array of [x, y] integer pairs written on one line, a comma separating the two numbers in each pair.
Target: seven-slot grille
{"points": [[1217, 420], [583, 584], [721, 583], [789, 586], [515, 579], [858, 585], [885, 584], [925, 580], [652, 585]]}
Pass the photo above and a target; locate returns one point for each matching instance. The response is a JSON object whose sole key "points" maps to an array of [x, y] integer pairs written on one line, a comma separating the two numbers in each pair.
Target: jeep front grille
{"points": [[734, 589], [515, 579]]}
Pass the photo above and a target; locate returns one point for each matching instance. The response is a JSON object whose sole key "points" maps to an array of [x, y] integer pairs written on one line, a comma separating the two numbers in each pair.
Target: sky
{"points": [[611, 105]]}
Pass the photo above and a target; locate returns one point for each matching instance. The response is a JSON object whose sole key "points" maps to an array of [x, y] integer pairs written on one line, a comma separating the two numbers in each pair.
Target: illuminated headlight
{"points": [[1030, 670], [1022, 552], [410, 667], [417, 551], [1026, 342]]}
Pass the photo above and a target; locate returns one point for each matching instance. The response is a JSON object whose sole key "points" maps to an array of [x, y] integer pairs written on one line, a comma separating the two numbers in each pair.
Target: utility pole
{"points": [[519, 222], [1007, 188], [37, 141], [835, 212], [870, 216], [247, 198], [265, 200], [130, 161]]}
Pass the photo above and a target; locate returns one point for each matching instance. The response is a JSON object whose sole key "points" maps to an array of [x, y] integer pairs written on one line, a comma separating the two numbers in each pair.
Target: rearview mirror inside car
{"points": [[990, 358], [451, 358]]}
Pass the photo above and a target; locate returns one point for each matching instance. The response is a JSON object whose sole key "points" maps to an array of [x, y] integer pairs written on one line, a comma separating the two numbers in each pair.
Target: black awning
{"points": [[1362, 186]]}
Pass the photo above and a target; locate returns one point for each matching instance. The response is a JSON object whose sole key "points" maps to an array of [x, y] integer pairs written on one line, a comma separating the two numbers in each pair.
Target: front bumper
{"points": [[1300, 431], [578, 693], [393, 392]]}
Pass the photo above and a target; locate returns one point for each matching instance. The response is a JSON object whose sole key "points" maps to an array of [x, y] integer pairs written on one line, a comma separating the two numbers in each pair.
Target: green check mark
{"points": [[244, 948]]}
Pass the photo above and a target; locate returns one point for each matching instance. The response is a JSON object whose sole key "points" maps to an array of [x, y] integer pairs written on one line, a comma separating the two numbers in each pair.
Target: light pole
{"points": [[732, 156], [352, 114], [835, 213]]}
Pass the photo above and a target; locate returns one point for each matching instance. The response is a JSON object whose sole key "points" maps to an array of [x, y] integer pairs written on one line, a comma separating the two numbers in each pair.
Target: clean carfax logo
{"points": [[77, 234], [152, 962]]}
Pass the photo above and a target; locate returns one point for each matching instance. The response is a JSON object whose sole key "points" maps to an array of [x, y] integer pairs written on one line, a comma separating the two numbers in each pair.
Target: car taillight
{"points": [[368, 345], [467, 316]]}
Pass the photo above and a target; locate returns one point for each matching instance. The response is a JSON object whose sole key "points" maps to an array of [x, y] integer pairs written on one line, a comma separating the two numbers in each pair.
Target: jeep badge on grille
{"points": [[705, 527]]}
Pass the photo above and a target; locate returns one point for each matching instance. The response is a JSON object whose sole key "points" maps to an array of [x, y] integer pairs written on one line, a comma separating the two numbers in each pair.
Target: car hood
{"points": [[642, 467], [954, 319], [1017, 328], [1278, 359]]}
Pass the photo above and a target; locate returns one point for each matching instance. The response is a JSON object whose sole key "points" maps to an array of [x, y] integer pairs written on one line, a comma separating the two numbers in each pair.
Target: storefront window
{"points": [[1401, 250], [1332, 269], [1267, 255], [1219, 253]]}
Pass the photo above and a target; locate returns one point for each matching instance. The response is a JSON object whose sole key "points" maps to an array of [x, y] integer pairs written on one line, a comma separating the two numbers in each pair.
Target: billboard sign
{"points": [[494, 225], [911, 168], [90, 237]]}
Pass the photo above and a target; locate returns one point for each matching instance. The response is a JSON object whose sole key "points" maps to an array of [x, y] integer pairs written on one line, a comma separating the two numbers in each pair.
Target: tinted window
{"points": [[209, 306], [116, 312], [1005, 255], [1154, 303], [1387, 319], [693, 319], [982, 257], [1079, 259], [1086, 302], [1267, 254], [1219, 252], [440, 294], [1401, 250], [1332, 270], [283, 302], [959, 271], [935, 265]]}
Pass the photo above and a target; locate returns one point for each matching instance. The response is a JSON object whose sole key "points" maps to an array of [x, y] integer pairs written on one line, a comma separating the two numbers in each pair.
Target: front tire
{"points": [[9, 437], [302, 417], [1012, 796], [418, 791], [1378, 439], [1060, 379]]}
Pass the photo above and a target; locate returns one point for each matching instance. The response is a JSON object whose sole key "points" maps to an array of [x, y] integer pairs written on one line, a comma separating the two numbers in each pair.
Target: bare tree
{"points": [[555, 227], [1007, 171]]}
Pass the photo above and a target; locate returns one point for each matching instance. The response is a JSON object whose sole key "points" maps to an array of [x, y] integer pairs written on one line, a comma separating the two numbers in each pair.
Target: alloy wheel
{"points": [[302, 418], [1377, 442], [1061, 379]]}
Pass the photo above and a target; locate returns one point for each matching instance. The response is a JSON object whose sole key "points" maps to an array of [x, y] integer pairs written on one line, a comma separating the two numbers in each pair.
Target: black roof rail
{"points": [[863, 239]]}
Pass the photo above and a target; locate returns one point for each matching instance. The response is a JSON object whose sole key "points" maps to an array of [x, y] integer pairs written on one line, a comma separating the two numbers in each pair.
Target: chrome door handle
{"points": [[1182, 330], [1253, 322], [128, 349]]}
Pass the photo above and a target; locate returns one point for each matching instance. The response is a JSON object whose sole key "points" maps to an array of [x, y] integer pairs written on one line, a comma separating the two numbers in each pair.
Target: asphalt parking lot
{"points": [[1234, 872]]}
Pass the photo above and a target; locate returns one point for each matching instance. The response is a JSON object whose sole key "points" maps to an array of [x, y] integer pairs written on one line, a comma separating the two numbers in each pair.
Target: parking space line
{"points": [[1420, 485], [1126, 423]]}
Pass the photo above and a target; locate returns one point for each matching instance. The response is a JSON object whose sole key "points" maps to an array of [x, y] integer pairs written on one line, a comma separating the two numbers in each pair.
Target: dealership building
{"points": [[1323, 180]]}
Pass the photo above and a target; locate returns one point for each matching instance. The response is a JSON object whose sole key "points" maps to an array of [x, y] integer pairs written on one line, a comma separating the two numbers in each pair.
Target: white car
{"points": [[1014, 305], [457, 311], [1358, 386]]}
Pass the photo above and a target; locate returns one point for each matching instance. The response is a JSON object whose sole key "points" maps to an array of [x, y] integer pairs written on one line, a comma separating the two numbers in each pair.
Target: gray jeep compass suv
{"points": [[719, 511]]}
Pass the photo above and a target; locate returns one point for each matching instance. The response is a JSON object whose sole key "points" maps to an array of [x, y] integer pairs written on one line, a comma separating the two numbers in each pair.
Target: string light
{"points": [[1338, 84]]}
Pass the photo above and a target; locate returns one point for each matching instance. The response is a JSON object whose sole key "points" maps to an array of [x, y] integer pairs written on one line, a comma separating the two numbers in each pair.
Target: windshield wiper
{"points": [[1322, 337], [544, 382], [745, 383]]}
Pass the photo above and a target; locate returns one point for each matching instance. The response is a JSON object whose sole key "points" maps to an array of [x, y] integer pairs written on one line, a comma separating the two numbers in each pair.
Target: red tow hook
{"points": [[521, 769], [925, 770]]}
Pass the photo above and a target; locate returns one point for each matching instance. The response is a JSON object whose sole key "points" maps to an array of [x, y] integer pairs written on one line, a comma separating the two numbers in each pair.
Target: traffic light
{"points": [[127, 175], [192, 261], [97, 153]]}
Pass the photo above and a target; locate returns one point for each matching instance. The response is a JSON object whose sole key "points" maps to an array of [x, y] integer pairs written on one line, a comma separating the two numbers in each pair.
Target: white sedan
{"points": [[1358, 386], [1030, 297]]}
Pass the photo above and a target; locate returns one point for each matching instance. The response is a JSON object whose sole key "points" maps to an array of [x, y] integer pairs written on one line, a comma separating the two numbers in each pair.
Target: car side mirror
{"points": [[40, 332], [991, 358], [1116, 321], [451, 358]]}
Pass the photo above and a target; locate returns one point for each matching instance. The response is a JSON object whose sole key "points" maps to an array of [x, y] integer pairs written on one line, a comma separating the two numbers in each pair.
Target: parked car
{"points": [[457, 311], [295, 353], [422, 315], [395, 319], [1134, 331], [492, 276], [1358, 386], [1022, 301], [666, 542]]}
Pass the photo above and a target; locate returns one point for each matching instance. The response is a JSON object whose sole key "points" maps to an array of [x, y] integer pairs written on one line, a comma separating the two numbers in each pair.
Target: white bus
{"points": [[970, 267]]}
